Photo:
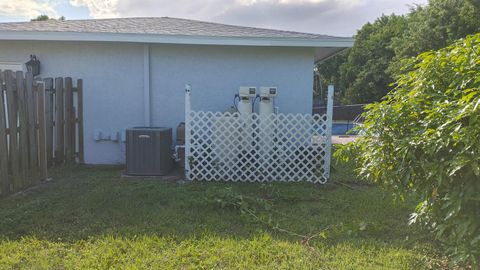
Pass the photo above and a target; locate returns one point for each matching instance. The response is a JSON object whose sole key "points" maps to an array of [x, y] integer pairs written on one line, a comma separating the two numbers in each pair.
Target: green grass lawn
{"points": [[91, 218]]}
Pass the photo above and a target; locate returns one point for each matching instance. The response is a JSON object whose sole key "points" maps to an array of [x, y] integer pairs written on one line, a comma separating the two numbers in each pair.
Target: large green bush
{"points": [[424, 137]]}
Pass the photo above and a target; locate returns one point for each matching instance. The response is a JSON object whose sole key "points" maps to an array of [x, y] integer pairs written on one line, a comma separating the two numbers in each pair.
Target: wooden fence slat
{"points": [[69, 152], [59, 121], [49, 118], [74, 134], [4, 177], [39, 126], [32, 130], [23, 128], [81, 153], [42, 135], [12, 124]]}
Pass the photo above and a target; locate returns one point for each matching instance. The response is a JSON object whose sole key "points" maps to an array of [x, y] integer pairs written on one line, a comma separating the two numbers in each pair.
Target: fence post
{"points": [[328, 145], [49, 114], [68, 114], [81, 153], [59, 121], [32, 126], [188, 95], [42, 132], [12, 105], [4, 178], [23, 128]]}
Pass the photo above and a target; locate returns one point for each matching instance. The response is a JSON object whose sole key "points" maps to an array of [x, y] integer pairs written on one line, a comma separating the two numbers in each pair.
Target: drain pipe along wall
{"points": [[146, 86]]}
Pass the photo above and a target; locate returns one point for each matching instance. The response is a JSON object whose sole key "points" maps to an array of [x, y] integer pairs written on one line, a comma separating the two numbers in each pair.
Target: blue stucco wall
{"points": [[114, 82], [216, 72]]}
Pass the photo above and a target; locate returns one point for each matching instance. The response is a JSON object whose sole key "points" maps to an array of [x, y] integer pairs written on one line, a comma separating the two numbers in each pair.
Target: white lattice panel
{"points": [[278, 147]]}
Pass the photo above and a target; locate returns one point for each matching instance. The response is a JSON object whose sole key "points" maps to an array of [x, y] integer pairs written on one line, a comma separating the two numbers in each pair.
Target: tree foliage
{"points": [[424, 137], [328, 73], [46, 18], [375, 59], [364, 74], [435, 26], [41, 18]]}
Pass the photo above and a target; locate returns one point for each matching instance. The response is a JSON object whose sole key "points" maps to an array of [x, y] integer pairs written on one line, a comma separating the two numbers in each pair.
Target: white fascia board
{"points": [[171, 39]]}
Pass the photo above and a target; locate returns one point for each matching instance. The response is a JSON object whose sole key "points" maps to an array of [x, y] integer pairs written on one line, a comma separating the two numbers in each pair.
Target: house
{"points": [[134, 69]]}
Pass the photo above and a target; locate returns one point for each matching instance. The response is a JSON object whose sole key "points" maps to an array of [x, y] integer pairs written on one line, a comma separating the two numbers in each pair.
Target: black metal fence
{"points": [[341, 112]]}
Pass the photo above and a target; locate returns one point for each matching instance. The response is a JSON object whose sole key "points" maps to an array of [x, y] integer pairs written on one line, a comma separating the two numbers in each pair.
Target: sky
{"points": [[331, 17]]}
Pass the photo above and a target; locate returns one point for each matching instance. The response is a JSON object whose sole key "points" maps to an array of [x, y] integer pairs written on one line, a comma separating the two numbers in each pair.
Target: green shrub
{"points": [[424, 137], [344, 164]]}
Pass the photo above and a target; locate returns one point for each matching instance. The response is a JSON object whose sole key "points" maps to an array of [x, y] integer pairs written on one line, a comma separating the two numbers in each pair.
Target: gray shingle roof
{"points": [[155, 26]]}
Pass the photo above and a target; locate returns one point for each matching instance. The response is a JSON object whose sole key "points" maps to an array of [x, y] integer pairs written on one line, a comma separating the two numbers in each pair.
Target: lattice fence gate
{"points": [[256, 148]]}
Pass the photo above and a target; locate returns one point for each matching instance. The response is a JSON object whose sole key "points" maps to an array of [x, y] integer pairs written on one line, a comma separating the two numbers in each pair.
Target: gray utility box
{"points": [[149, 151]]}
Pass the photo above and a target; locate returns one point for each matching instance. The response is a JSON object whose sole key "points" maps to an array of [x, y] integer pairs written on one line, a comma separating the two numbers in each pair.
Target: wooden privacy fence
{"points": [[41, 124]]}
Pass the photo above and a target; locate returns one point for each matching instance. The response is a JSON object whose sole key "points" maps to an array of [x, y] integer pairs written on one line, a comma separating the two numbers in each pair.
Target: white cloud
{"points": [[334, 17], [99, 8], [286, 2], [26, 8]]}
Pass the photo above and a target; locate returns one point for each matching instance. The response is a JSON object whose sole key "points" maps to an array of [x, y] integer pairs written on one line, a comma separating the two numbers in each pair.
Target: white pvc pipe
{"points": [[188, 95]]}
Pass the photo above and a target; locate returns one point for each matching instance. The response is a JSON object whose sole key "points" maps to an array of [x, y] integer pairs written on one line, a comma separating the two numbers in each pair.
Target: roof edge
{"points": [[177, 39], [319, 60]]}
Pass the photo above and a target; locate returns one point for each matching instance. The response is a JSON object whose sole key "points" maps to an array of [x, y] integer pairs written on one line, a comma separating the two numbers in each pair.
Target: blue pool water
{"points": [[341, 128]]}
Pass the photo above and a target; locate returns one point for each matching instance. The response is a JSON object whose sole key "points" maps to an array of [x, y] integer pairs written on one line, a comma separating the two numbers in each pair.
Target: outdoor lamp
{"points": [[33, 65]]}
